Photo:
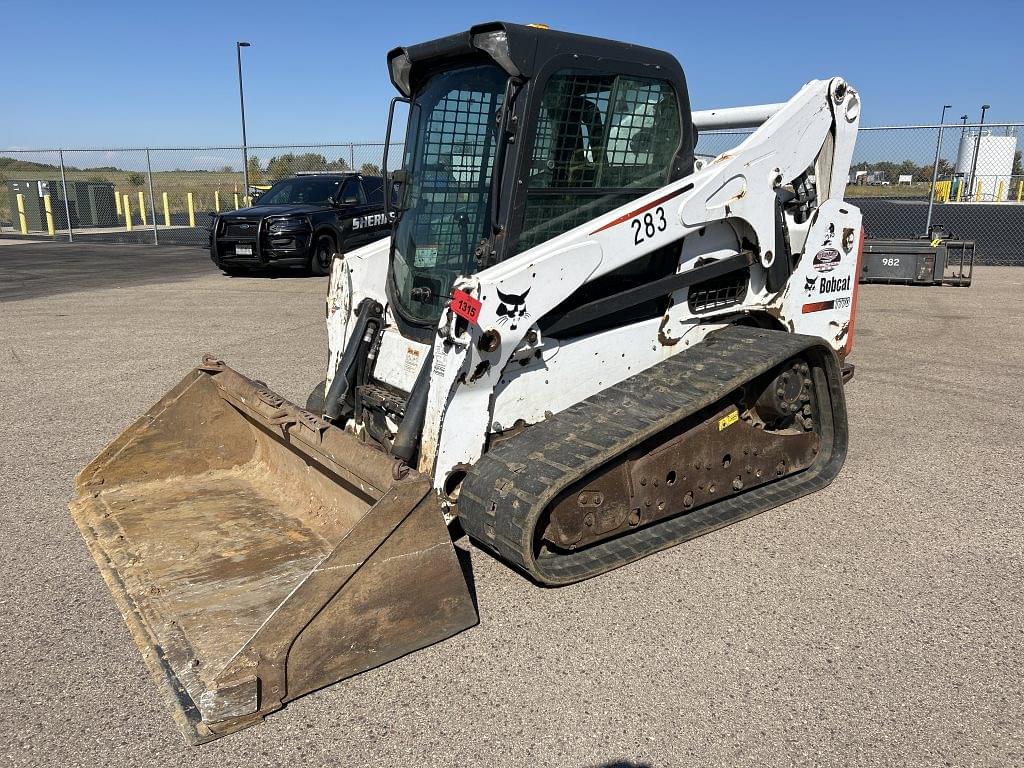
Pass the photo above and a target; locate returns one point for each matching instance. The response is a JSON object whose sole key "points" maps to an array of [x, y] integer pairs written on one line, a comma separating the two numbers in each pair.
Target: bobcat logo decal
{"points": [[512, 308], [809, 284], [830, 234]]}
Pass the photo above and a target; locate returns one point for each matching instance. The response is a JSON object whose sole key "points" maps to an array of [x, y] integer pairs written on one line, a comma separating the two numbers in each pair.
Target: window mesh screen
{"points": [[598, 135], [450, 154]]}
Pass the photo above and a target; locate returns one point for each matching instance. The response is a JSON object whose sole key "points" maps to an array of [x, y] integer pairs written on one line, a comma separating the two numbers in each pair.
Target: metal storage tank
{"points": [[995, 164]]}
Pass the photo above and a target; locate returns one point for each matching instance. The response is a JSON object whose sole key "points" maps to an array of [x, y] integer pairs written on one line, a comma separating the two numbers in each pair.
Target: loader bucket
{"points": [[258, 553]]}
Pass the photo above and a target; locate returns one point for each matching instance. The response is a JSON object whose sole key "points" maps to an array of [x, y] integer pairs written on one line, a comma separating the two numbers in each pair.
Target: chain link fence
{"points": [[978, 191], [155, 195], [166, 195]]}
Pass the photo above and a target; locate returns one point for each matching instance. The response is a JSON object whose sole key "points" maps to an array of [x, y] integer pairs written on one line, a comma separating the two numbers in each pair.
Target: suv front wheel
{"points": [[323, 255]]}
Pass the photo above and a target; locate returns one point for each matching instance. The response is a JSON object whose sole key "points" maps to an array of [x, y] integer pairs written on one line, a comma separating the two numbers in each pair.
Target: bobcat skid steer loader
{"points": [[579, 346]]}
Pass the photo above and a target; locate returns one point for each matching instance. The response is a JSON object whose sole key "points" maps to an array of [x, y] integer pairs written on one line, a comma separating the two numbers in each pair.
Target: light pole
{"points": [[239, 45], [935, 170], [977, 147]]}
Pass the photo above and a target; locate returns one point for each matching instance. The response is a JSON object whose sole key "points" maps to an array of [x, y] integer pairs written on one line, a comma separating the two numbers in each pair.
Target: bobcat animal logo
{"points": [[809, 283], [512, 308], [830, 235]]}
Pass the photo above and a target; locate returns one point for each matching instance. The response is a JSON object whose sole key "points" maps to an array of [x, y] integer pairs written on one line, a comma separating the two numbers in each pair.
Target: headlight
{"points": [[401, 69], [495, 44], [287, 225]]}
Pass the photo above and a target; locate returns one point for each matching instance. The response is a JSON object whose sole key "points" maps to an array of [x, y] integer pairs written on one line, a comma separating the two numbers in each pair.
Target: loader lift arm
{"points": [[817, 128]]}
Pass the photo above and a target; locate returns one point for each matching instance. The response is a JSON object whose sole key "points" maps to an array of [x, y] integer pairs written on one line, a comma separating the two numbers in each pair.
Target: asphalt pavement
{"points": [[39, 269], [878, 622]]}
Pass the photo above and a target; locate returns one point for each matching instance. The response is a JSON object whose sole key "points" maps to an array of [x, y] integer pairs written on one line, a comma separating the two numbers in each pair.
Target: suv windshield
{"points": [[311, 190], [449, 157]]}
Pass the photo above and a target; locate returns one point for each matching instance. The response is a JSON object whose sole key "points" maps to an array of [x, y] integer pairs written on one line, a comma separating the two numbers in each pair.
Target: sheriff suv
{"points": [[302, 221]]}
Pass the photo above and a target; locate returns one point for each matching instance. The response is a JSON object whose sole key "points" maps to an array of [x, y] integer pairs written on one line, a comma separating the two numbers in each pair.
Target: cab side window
{"points": [[352, 188], [374, 188], [601, 141]]}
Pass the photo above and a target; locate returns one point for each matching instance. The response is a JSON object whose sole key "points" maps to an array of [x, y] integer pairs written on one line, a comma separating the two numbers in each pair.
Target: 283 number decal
{"points": [[647, 226]]}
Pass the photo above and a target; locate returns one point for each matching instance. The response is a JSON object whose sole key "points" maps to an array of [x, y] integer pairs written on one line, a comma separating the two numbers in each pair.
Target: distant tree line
{"points": [[288, 164], [893, 171]]}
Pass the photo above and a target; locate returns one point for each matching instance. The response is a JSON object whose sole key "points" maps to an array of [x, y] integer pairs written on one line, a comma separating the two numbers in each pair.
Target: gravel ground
{"points": [[879, 622]]}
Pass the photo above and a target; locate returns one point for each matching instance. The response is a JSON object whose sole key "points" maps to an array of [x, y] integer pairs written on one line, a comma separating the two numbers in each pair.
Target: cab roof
{"points": [[528, 49]]}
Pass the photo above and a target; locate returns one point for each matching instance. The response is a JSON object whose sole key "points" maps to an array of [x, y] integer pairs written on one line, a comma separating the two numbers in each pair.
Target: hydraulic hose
{"points": [[407, 439], [336, 404]]}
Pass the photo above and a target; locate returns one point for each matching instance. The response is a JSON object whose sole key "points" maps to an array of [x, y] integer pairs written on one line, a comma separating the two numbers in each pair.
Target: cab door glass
{"points": [[601, 141]]}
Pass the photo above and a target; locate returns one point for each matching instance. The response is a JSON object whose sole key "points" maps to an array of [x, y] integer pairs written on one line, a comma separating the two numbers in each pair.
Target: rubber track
{"points": [[507, 491]]}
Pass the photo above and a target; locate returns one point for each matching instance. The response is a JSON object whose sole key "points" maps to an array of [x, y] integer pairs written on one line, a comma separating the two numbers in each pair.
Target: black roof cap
{"points": [[529, 48]]}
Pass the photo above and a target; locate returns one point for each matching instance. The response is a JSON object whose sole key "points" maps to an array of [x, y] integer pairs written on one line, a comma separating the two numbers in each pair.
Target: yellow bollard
{"points": [[126, 206], [22, 219], [1020, 190], [142, 208], [191, 211], [247, 201], [977, 192], [216, 200], [999, 192], [117, 203], [49, 215], [236, 201], [167, 212], [959, 190]]}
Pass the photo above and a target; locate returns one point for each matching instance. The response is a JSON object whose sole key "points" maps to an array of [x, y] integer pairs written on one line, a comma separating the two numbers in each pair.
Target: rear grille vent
{"points": [[720, 292]]}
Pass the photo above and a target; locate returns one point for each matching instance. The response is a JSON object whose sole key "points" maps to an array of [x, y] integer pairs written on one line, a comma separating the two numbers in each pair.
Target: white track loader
{"points": [[580, 345]]}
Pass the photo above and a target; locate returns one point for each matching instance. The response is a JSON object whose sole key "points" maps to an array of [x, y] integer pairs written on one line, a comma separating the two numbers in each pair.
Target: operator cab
{"points": [[590, 124]]}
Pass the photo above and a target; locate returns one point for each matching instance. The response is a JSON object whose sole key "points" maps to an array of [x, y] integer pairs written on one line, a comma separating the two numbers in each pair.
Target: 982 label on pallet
{"points": [[465, 306]]}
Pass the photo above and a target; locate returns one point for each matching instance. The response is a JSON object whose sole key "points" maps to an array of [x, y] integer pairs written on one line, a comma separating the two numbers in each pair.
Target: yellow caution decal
{"points": [[936, 242], [728, 420]]}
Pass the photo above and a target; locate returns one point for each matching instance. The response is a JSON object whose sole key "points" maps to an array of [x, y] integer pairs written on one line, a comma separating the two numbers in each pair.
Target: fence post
{"points": [[49, 215], [67, 205], [191, 211], [152, 199], [935, 175], [167, 212], [22, 221], [126, 205]]}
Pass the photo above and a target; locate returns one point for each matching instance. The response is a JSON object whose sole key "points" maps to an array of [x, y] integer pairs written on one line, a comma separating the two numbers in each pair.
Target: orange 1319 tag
{"points": [[465, 306]]}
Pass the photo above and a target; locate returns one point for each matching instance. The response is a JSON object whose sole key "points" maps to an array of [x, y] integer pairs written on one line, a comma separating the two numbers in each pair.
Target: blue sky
{"points": [[163, 74]]}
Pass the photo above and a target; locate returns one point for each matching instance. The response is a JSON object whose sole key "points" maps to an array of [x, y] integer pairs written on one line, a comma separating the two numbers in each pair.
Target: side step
{"points": [[505, 496]]}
